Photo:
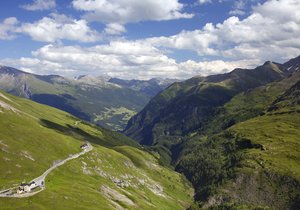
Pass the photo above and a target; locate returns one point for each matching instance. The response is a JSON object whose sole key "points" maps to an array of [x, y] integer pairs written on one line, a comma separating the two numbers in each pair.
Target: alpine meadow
{"points": [[154, 104]]}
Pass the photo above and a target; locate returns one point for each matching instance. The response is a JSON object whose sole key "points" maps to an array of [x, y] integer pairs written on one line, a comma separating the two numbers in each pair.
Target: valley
{"points": [[233, 136], [85, 97], [222, 132], [145, 105]]}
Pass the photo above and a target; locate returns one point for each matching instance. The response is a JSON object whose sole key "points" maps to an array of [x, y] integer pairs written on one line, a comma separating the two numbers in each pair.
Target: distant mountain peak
{"points": [[79, 77], [268, 63], [186, 105], [10, 70], [150, 87], [293, 64], [91, 98]]}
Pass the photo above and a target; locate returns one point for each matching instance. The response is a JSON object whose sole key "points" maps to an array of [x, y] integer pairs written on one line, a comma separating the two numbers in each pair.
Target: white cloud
{"points": [[116, 13], [270, 32], [237, 12], [114, 29], [125, 59], [59, 27], [198, 40], [8, 27], [204, 1], [205, 68], [37, 66], [40, 5], [128, 59], [238, 8]]}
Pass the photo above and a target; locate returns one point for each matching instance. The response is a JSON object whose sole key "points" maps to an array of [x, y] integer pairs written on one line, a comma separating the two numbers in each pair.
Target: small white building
{"points": [[84, 146], [20, 191], [25, 187]]}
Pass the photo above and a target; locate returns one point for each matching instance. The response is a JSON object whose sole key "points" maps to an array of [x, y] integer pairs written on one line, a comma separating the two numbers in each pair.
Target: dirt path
{"points": [[40, 181]]}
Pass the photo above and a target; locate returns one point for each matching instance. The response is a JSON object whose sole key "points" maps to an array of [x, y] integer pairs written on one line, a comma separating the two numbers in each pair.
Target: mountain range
{"points": [[235, 135], [91, 98], [149, 87], [195, 100]]}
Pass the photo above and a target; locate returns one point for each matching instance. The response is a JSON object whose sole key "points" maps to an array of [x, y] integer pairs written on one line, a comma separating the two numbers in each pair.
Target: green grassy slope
{"points": [[94, 102], [270, 174], [248, 104], [116, 174], [187, 106], [255, 162], [235, 136]]}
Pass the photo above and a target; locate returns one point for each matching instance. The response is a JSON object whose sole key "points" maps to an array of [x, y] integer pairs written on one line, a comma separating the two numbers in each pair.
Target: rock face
{"points": [[293, 64], [26, 90]]}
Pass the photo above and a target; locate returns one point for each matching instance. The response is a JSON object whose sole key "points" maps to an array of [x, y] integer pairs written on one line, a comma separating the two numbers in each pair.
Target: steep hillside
{"points": [[116, 174], [248, 104], [253, 163], [293, 64], [185, 107], [234, 136], [89, 98]]}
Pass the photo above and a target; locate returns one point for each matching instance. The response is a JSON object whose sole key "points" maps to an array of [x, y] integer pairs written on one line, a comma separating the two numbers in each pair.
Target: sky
{"points": [[143, 39]]}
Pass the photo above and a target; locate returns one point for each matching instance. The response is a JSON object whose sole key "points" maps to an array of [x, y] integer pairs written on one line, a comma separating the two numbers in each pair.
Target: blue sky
{"points": [[145, 39]]}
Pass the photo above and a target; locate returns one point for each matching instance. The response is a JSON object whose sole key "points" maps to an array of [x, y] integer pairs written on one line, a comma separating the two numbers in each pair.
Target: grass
{"points": [[248, 104], [38, 135], [279, 134], [248, 153], [69, 188]]}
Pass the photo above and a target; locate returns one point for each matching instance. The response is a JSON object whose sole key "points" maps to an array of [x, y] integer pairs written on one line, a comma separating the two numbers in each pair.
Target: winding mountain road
{"points": [[40, 181]]}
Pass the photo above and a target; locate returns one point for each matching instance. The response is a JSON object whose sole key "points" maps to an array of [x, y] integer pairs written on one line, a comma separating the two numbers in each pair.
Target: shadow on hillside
{"points": [[75, 132], [107, 139], [61, 102]]}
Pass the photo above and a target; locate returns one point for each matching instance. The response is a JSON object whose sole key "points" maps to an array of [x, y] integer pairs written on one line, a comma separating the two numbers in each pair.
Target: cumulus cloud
{"points": [[58, 27], [205, 68], [270, 32], [114, 29], [125, 59], [40, 5], [124, 11], [8, 27], [200, 41]]}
